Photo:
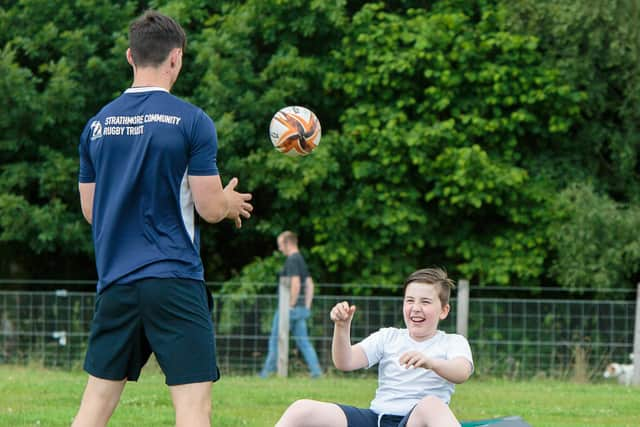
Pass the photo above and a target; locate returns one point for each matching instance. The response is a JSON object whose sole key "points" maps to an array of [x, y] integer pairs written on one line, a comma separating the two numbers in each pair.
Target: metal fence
{"points": [[510, 337]]}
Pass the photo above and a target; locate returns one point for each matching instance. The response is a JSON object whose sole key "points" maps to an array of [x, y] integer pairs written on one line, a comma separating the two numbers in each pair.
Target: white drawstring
{"points": [[379, 419]]}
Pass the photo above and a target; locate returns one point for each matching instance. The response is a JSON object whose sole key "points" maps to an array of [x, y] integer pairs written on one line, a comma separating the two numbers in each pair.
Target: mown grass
{"points": [[31, 396]]}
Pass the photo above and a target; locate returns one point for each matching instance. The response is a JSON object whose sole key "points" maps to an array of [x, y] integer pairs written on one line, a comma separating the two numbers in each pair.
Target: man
{"points": [[302, 287], [147, 159]]}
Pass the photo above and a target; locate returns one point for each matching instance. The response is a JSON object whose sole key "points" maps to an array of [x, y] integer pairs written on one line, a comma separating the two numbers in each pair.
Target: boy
{"points": [[417, 366]]}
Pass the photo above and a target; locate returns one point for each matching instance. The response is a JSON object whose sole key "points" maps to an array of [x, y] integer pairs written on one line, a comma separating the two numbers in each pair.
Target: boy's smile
{"points": [[422, 310]]}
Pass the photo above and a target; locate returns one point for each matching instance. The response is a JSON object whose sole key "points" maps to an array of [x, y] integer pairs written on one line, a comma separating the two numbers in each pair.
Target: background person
{"points": [[302, 288], [147, 159], [417, 366]]}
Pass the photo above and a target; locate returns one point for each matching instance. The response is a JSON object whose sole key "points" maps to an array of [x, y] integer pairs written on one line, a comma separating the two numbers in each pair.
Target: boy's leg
{"points": [[301, 336], [432, 412], [270, 362], [192, 403], [99, 400], [311, 413]]}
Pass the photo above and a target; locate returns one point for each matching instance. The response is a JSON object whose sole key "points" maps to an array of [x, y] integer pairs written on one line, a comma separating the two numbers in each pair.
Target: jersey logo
{"points": [[96, 130]]}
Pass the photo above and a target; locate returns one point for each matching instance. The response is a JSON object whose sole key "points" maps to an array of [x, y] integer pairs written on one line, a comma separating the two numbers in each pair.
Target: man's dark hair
{"points": [[152, 36]]}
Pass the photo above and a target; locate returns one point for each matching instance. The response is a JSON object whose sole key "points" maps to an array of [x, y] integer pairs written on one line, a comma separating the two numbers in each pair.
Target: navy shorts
{"points": [[358, 417], [168, 317]]}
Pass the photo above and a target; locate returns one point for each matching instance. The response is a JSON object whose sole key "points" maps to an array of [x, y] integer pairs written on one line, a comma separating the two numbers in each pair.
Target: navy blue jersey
{"points": [[138, 150]]}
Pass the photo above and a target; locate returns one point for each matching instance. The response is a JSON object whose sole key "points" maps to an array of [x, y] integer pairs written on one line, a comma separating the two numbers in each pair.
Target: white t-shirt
{"points": [[400, 389]]}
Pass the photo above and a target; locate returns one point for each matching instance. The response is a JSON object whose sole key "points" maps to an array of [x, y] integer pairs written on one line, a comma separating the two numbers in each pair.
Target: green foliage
{"points": [[445, 116], [56, 70], [449, 128], [595, 239], [251, 61], [597, 48]]}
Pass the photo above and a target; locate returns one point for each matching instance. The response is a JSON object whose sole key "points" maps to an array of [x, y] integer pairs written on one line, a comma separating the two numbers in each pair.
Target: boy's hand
{"points": [[342, 313], [415, 359]]}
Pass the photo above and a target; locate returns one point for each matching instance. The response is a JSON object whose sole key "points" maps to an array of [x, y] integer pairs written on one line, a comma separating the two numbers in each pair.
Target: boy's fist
{"points": [[342, 312]]}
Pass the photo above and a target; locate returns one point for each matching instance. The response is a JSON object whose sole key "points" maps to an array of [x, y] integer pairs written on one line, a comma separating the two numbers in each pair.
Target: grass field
{"points": [[31, 396]]}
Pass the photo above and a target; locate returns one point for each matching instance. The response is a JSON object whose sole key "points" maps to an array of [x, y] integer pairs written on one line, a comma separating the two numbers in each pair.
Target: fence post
{"points": [[284, 295], [462, 314], [636, 343]]}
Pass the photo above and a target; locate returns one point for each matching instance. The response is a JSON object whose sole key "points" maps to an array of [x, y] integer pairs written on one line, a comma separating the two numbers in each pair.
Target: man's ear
{"points": [[130, 57], [174, 57]]}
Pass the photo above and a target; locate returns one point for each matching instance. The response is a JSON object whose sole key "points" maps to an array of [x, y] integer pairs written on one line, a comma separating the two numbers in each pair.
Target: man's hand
{"points": [[237, 203]]}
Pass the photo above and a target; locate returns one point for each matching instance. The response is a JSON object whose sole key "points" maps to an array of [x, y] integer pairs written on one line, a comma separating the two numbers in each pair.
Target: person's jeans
{"points": [[298, 326]]}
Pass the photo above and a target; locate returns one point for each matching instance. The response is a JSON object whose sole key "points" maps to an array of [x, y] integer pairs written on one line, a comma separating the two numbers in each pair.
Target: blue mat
{"points": [[497, 422]]}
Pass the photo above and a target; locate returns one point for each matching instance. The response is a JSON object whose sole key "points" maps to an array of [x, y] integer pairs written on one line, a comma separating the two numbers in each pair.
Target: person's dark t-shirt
{"points": [[296, 266]]}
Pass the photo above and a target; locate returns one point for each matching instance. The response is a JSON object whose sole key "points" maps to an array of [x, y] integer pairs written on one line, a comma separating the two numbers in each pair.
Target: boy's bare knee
{"points": [[427, 405], [296, 413], [432, 411], [302, 406]]}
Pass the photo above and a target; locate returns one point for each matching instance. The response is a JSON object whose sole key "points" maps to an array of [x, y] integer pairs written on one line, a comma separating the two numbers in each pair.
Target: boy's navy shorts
{"points": [[358, 417], [168, 317]]}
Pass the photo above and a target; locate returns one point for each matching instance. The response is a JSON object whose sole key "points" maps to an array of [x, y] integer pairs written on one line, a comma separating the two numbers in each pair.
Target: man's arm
{"points": [[215, 203], [295, 291], [87, 190], [308, 293]]}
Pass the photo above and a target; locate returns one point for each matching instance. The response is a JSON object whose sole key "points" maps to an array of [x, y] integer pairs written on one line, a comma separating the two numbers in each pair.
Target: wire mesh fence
{"points": [[44, 327], [509, 337]]}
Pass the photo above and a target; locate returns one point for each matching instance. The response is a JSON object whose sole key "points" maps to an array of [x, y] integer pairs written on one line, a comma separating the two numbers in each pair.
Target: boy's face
{"points": [[422, 310]]}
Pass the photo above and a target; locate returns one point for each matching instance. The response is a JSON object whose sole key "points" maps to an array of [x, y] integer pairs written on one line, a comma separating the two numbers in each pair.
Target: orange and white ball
{"points": [[295, 131]]}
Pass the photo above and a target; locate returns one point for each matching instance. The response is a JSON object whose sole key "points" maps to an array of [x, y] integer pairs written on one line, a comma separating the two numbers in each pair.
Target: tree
{"points": [[449, 128], [595, 239], [596, 46], [57, 68], [446, 119]]}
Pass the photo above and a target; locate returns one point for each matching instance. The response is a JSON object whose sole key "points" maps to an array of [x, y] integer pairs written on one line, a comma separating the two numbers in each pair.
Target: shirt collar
{"points": [[140, 89]]}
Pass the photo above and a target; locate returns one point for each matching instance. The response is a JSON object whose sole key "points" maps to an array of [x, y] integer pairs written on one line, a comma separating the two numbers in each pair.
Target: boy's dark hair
{"points": [[152, 36], [433, 276]]}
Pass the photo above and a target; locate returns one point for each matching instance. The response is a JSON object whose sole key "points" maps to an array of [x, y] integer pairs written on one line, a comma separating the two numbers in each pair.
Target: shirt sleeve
{"points": [[204, 147], [373, 346], [458, 346], [293, 267], [86, 173]]}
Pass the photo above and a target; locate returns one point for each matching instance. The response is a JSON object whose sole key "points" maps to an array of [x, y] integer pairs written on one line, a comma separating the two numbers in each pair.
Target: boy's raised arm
{"points": [[346, 357]]}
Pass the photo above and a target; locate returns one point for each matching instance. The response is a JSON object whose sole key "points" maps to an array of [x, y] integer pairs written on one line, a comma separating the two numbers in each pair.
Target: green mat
{"points": [[497, 422]]}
